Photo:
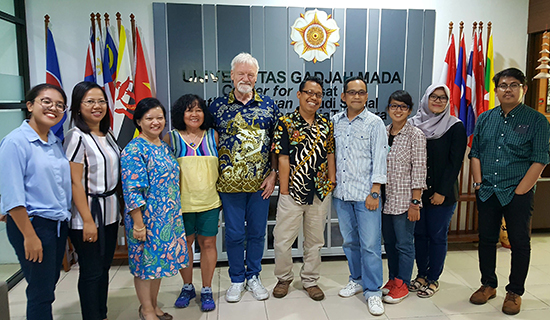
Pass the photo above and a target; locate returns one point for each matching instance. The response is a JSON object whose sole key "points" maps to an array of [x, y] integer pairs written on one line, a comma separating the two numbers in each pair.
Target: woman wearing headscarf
{"points": [[446, 144]]}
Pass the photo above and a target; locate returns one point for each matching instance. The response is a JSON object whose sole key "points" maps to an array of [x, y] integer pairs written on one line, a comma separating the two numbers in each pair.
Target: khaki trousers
{"points": [[290, 217]]}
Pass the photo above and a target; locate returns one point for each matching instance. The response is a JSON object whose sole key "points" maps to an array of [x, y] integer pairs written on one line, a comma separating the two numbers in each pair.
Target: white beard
{"points": [[244, 88]]}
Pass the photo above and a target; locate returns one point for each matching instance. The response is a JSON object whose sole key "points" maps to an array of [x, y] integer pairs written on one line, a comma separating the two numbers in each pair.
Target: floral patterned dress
{"points": [[150, 181]]}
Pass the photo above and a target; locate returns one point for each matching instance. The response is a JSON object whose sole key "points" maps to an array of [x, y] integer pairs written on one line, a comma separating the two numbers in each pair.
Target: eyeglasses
{"points": [[91, 103], [394, 107], [512, 86], [311, 94], [48, 104], [434, 98], [361, 93]]}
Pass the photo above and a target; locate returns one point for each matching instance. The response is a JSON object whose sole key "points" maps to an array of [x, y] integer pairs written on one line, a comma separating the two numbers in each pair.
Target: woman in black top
{"points": [[446, 144]]}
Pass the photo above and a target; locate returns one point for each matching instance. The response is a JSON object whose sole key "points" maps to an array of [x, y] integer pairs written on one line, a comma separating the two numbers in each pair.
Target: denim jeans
{"points": [[244, 209], [430, 239], [518, 224], [93, 277], [41, 277], [398, 232], [361, 231]]}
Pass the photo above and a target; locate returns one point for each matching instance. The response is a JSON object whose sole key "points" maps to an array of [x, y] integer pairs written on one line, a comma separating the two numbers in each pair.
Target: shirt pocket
{"points": [[361, 141], [519, 144]]}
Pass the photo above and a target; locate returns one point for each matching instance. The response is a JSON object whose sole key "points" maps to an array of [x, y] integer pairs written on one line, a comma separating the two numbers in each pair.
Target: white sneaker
{"points": [[376, 308], [351, 289], [258, 290], [235, 292]]}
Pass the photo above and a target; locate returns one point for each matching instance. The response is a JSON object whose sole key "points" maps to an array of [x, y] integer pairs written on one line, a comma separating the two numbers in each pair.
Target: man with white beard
{"points": [[245, 121]]}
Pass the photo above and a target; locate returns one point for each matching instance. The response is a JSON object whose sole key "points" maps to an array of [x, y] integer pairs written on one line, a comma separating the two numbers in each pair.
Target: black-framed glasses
{"points": [[512, 86], [435, 97], [311, 94], [361, 93], [91, 103], [48, 104], [394, 107]]}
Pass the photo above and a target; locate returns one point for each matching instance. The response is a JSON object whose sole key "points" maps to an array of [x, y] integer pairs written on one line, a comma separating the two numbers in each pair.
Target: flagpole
{"points": [[92, 19], [106, 20], [133, 24], [461, 30], [474, 27], [46, 22], [98, 17], [118, 23], [450, 30], [489, 27]]}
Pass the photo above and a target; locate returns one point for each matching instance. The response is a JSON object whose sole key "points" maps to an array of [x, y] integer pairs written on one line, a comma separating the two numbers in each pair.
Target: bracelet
{"points": [[138, 230]]}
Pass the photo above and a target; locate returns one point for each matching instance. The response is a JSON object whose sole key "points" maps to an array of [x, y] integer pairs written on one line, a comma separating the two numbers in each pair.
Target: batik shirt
{"points": [[245, 133], [307, 147]]}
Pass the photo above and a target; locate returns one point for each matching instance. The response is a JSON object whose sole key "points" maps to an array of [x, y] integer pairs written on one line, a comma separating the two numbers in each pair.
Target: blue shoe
{"points": [[207, 302], [185, 297]]}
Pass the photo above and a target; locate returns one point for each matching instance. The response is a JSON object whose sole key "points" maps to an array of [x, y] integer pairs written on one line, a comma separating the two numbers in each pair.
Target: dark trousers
{"points": [[430, 239], [517, 214], [41, 277], [93, 280]]}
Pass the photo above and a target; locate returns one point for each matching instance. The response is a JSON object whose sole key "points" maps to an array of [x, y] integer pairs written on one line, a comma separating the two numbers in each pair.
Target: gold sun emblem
{"points": [[315, 36]]}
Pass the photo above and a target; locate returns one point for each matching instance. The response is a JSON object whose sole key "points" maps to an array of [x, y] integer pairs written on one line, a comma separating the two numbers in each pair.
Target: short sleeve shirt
{"points": [[507, 146], [307, 147], [245, 133]]}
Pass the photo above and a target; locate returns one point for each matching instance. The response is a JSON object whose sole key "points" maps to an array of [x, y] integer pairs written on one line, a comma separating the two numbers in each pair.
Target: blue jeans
{"points": [[41, 277], [398, 232], [240, 209], [430, 239], [361, 231]]}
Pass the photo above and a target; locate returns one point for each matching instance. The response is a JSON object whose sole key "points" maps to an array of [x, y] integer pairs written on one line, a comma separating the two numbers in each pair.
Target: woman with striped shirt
{"points": [[94, 159], [194, 144]]}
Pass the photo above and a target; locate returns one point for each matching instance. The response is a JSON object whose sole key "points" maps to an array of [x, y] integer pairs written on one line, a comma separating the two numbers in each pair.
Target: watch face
{"points": [[415, 202], [374, 195]]}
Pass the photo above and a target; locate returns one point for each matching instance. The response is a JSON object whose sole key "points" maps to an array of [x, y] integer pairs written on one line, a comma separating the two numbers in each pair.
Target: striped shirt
{"points": [[507, 146], [406, 168], [101, 159], [361, 149]]}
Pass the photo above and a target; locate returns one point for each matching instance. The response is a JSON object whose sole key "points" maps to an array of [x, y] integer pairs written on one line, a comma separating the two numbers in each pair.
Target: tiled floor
{"points": [[459, 280]]}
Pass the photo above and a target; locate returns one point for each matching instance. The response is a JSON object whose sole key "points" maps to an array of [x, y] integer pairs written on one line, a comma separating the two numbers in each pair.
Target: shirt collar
{"points": [[405, 128], [363, 115], [232, 99], [517, 109], [301, 119], [32, 136]]}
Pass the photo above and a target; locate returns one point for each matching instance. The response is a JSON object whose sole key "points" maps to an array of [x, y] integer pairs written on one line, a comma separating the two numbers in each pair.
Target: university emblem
{"points": [[315, 36]]}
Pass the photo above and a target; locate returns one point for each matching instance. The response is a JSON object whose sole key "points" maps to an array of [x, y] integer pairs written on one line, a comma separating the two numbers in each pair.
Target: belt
{"points": [[98, 213]]}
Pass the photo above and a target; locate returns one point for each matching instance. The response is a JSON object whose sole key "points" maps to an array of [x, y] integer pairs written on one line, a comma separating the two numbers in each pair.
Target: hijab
{"points": [[433, 125]]}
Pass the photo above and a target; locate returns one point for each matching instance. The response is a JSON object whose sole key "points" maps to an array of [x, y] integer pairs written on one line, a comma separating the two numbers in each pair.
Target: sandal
{"points": [[428, 290], [417, 284]]}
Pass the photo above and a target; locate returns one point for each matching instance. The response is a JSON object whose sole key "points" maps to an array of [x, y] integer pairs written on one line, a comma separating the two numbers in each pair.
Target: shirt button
{"points": [[495, 173], [495, 185], [348, 135], [497, 160], [502, 134], [499, 147]]}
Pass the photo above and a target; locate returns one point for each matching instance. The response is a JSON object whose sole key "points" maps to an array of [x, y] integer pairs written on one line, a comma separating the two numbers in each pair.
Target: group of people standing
{"points": [[397, 181]]}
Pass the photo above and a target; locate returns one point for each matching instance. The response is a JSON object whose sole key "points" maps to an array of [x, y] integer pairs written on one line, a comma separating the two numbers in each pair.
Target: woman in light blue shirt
{"points": [[36, 195]]}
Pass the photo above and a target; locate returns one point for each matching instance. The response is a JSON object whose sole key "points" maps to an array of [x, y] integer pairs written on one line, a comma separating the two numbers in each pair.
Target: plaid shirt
{"points": [[406, 168], [507, 147]]}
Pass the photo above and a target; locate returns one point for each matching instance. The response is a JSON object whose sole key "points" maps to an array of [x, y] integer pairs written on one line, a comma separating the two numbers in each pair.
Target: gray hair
{"points": [[245, 58]]}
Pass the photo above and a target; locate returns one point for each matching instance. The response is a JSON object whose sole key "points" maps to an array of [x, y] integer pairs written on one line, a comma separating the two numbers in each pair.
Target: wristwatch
{"points": [[374, 195], [416, 202], [476, 184]]}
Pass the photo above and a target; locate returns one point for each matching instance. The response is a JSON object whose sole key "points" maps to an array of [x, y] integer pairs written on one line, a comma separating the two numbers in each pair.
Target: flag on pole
{"points": [[142, 88], [479, 74], [110, 57], [89, 70], [449, 68], [98, 54], [124, 87], [489, 74], [458, 90], [53, 76], [471, 93]]}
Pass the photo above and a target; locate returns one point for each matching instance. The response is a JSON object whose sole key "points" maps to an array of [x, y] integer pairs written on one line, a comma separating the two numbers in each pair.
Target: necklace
{"points": [[193, 143]]}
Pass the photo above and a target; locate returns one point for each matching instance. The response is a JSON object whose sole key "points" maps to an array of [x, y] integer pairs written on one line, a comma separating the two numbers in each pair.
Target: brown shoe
{"points": [[483, 294], [512, 303], [315, 293], [281, 288]]}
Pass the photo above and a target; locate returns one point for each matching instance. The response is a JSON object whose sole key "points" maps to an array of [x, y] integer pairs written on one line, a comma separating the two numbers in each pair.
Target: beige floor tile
{"points": [[496, 315], [542, 292], [413, 306], [528, 302], [347, 308], [456, 301], [244, 310], [532, 314], [299, 309], [460, 260]]}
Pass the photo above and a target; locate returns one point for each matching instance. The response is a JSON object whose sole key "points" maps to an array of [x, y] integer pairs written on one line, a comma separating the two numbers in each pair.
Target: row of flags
{"points": [[117, 67], [469, 79]]}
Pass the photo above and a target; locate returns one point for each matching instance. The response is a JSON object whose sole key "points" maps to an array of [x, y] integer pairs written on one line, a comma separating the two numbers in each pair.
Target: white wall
{"points": [[71, 21]]}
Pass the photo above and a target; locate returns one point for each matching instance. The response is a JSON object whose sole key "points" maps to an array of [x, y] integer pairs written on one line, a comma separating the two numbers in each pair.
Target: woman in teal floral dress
{"points": [[153, 220]]}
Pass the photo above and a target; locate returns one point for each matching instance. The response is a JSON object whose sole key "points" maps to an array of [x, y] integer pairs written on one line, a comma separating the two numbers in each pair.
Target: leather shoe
{"points": [[281, 288], [512, 303], [483, 294], [315, 293]]}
